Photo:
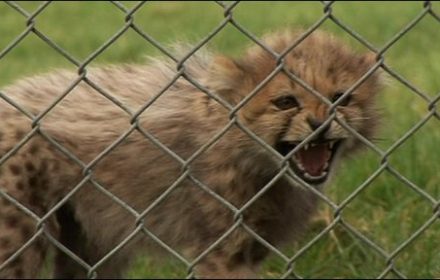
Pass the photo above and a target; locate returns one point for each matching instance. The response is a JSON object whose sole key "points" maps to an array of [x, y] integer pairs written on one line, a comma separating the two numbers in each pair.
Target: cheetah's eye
{"points": [[338, 95], [286, 102]]}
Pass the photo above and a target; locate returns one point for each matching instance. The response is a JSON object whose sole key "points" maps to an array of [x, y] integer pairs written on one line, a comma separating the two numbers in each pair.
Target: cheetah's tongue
{"points": [[314, 159]]}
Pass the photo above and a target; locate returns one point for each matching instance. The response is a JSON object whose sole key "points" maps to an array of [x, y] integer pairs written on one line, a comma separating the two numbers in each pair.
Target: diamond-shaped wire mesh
{"points": [[338, 209]]}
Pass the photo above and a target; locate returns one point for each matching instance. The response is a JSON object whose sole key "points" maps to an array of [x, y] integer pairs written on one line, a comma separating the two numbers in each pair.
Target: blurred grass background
{"points": [[388, 212]]}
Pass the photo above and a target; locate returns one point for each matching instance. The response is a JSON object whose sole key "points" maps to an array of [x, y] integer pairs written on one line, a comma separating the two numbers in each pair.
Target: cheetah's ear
{"points": [[227, 78], [368, 60], [379, 79]]}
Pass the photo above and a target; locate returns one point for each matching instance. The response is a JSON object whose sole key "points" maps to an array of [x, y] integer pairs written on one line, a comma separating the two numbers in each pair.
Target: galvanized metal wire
{"points": [[30, 27]]}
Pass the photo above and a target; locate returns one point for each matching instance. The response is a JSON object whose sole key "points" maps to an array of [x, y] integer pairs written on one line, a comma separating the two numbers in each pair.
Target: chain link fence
{"points": [[31, 18]]}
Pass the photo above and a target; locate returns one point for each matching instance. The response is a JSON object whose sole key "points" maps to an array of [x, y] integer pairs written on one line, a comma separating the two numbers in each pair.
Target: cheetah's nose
{"points": [[314, 124]]}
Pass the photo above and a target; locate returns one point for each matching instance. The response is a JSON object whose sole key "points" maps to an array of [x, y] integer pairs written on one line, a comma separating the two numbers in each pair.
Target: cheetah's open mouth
{"points": [[313, 161]]}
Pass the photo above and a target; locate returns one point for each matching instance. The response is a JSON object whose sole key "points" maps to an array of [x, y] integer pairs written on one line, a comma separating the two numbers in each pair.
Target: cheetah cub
{"points": [[86, 198]]}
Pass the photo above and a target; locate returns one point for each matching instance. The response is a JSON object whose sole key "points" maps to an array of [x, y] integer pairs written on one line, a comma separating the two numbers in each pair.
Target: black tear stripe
{"points": [[284, 130], [281, 135]]}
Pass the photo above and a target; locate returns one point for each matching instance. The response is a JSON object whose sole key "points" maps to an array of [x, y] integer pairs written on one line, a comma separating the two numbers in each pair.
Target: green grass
{"points": [[388, 212]]}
